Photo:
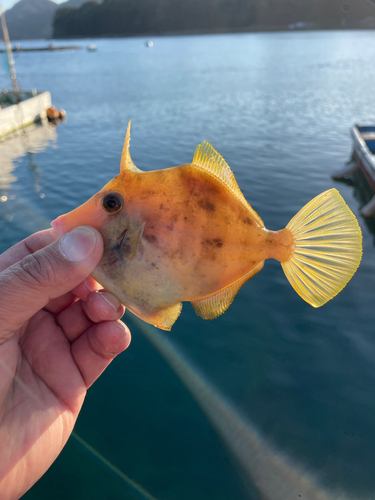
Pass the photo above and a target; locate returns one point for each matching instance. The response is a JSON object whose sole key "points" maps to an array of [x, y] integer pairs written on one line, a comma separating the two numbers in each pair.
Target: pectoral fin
{"points": [[214, 306], [131, 241]]}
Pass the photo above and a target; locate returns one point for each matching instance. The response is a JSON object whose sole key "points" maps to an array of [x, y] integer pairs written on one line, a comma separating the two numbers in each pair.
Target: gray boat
{"points": [[363, 158]]}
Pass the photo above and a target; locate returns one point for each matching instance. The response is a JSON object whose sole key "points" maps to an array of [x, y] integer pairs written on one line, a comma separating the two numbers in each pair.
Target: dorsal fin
{"points": [[208, 158], [126, 161], [214, 306]]}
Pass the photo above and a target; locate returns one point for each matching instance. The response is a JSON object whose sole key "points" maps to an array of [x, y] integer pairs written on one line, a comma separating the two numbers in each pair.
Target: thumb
{"points": [[28, 286]]}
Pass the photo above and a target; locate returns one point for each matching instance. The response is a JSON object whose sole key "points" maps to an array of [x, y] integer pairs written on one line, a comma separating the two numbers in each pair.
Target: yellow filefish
{"points": [[187, 233]]}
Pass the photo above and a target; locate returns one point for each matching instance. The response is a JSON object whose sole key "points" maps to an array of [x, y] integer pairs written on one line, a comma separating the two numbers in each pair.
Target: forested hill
{"points": [[132, 17], [33, 18], [126, 17]]}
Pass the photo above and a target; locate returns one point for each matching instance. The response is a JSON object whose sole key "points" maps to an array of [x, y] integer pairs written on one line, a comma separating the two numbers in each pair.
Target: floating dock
{"points": [[49, 48]]}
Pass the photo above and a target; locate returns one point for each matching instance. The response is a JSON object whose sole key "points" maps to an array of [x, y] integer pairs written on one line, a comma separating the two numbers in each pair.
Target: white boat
{"points": [[19, 109], [15, 114]]}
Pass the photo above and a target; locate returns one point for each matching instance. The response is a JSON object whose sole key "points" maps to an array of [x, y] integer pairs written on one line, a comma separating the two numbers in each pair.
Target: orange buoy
{"points": [[52, 113]]}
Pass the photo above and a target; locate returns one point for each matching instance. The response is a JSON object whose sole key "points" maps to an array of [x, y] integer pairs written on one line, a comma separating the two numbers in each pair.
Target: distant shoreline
{"points": [[193, 33], [261, 29]]}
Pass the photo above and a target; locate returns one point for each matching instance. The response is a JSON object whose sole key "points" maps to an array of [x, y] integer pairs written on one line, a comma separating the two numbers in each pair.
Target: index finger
{"points": [[29, 245]]}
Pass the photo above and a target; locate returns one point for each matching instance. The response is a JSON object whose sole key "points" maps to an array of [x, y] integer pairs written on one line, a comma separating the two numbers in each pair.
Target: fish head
{"points": [[103, 211], [113, 214], [107, 211]]}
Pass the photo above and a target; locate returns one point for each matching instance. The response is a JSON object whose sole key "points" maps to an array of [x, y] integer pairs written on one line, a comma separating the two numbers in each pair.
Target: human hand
{"points": [[57, 335]]}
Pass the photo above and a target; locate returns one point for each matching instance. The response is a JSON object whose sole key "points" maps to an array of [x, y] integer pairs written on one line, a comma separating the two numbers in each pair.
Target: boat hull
{"points": [[362, 153], [23, 114]]}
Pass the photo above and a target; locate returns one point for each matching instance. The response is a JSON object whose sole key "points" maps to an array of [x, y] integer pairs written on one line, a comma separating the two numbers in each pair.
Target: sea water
{"points": [[278, 107]]}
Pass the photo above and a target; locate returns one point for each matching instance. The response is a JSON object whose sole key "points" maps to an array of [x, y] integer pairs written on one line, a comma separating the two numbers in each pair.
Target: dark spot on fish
{"points": [[209, 248], [185, 218], [112, 259], [174, 254], [270, 242], [206, 205], [170, 227], [154, 265], [146, 194], [216, 242], [143, 299], [175, 217], [151, 238], [248, 221], [161, 207], [152, 227]]}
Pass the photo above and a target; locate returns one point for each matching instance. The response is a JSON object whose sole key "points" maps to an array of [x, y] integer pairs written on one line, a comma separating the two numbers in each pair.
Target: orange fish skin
{"points": [[196, 238]]}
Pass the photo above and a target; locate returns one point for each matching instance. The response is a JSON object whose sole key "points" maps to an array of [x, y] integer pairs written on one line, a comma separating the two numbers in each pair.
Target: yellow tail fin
{"points": [[327, 248]]}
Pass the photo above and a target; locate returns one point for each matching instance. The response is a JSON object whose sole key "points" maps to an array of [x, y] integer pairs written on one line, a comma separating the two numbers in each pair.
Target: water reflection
{"points": [[27, 142], [20, 149]]}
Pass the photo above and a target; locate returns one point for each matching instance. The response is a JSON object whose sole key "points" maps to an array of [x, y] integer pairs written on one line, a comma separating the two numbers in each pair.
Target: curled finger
{"points": [[100, 306], [94, 350]]}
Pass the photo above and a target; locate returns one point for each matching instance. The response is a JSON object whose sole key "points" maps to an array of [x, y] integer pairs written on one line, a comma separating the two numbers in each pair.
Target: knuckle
{"points": [[38, 269]]}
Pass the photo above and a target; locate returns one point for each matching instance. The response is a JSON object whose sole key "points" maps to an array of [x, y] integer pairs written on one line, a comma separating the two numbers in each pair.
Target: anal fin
{"points": [[214, 306]]}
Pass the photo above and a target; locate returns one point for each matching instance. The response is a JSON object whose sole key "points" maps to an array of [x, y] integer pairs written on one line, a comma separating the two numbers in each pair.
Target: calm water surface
{"points": [[278, 108]]}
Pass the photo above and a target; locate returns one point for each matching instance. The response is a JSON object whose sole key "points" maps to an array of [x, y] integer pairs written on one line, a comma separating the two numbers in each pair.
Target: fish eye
{"points": [[112, 203]]}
